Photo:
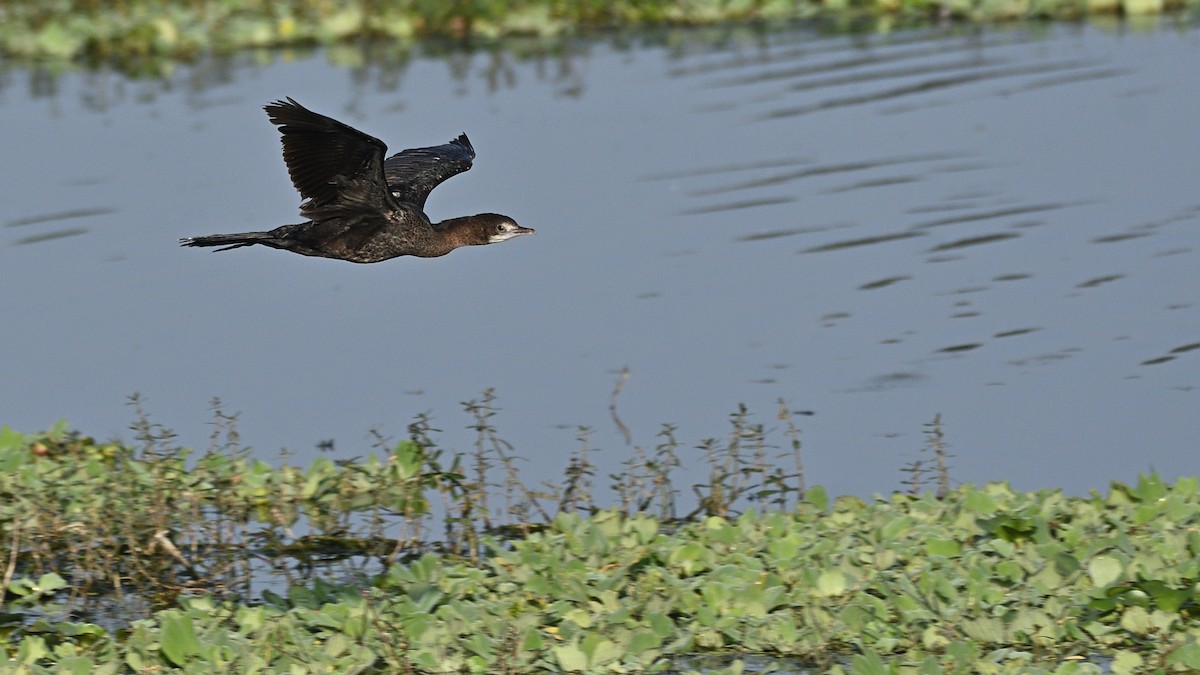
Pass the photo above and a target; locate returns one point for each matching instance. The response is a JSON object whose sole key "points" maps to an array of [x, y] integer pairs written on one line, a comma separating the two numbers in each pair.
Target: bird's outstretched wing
{"points": [[335, 167], [412, 174]]}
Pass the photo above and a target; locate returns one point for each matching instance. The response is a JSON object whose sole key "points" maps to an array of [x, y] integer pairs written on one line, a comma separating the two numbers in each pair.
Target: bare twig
{"points": [[13, 551], [793, 434], [937, 442], [622, 378]]}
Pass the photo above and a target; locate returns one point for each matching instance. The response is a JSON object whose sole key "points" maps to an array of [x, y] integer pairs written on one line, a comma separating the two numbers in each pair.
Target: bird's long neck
{"points": [[463, 231]]}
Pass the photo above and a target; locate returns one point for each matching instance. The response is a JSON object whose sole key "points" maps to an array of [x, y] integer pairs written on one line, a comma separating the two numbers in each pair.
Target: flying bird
{"points": [[359, 206]]}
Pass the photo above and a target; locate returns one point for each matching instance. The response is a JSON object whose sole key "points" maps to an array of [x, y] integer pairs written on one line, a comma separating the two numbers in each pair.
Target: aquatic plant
{"points": [[147, 558], [158, 520], [135, 33]]}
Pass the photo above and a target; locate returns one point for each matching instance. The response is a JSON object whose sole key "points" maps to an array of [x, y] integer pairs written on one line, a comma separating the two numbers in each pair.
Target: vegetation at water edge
{"points": [[184, 29], [153, 558]]}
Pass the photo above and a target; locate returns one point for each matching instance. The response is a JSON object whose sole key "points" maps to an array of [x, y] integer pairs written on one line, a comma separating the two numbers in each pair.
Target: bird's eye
{"points": [[501, 228]]}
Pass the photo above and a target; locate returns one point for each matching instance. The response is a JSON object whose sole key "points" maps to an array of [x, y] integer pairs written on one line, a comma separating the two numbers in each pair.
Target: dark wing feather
{"points": [[412, 174], [334, 166]]}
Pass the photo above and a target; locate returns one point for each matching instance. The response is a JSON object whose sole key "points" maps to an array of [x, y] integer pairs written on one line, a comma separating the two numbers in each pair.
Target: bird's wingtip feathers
{"points": [[464, 142], [285, 103]]}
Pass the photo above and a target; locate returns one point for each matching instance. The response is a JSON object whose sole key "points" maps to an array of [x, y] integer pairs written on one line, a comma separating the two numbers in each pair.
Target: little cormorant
{"points": [[360, 207]]}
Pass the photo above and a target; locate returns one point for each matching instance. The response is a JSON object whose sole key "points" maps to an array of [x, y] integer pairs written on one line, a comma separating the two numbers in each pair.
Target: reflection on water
{"points": [[59, 233], [999, 226], [822, 170], [52, 217], [47, 236]]}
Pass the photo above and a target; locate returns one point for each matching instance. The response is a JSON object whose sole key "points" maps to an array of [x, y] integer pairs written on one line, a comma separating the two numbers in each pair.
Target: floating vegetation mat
{"points": [[132, 31], [979, 580]]}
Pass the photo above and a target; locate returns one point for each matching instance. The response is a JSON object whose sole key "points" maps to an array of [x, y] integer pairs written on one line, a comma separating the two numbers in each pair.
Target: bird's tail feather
{"points": [[228, 241]]}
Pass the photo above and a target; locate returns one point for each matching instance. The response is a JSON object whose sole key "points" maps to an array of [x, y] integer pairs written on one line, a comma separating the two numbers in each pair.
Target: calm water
{"points": [[1000, 227]]}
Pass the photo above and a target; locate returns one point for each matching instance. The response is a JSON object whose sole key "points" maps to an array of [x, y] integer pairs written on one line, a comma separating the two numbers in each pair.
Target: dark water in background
{"points": [[1001, 227]]}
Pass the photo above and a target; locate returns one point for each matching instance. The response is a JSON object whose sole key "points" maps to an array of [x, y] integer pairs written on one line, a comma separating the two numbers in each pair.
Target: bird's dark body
{"points": [[360, 207], [361, 239]]}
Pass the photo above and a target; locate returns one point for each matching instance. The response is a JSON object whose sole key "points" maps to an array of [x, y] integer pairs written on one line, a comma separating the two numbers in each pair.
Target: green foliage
{"points": [[131, 32], [82, 519], [983, 580]]}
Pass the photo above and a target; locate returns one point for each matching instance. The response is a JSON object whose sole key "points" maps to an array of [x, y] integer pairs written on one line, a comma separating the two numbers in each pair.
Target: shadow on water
{"points": [[54, 218], [1170, 356]]}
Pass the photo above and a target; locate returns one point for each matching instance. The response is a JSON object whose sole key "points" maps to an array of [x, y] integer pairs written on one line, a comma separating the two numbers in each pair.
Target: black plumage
{"points": [[360, 207]]}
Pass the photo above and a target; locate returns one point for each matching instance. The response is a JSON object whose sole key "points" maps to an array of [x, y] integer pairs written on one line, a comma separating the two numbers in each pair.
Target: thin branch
{"points": [[622, 378]]}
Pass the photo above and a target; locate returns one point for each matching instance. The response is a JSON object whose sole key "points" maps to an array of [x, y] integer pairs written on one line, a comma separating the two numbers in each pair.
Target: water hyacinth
{"points": [[160, 29], [981, 579]]}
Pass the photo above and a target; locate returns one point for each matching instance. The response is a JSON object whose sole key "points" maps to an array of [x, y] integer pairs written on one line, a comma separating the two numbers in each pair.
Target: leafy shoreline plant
{"points": [[126, 31], [979, 580], [159, 520]]}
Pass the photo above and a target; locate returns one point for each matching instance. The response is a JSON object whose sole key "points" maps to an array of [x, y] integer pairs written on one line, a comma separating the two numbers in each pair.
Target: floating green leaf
{"points": [[980, 503], [570, 658], [1186, 656], [1104, 570], [1126, 663], [816, 497], [943, 547], [179, 638], [831, 583]]}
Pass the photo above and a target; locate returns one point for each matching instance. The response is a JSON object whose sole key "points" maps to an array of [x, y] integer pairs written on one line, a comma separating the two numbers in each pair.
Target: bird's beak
{"points": [[505, 236]]}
